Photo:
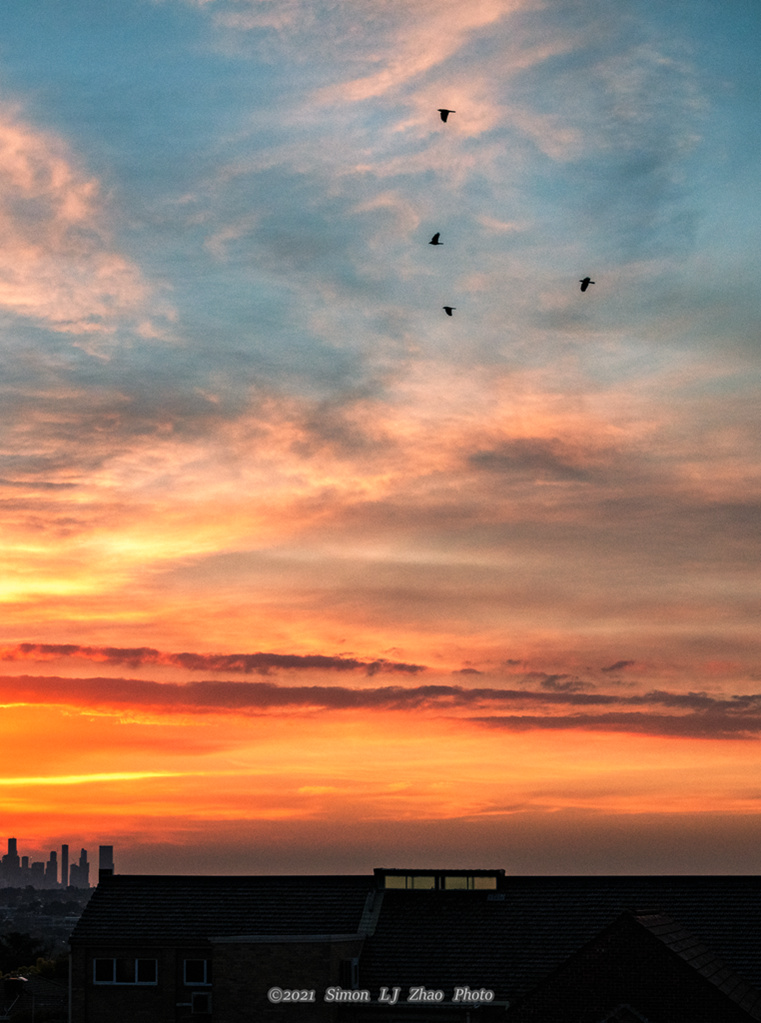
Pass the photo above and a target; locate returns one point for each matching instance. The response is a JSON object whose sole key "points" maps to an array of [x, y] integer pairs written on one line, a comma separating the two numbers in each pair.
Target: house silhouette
{"points": [[451, 946]]}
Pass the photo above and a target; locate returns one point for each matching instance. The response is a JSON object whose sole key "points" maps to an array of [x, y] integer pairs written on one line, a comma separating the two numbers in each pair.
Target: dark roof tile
{"points": [[509, 945], [702, 960], [140, 909]]}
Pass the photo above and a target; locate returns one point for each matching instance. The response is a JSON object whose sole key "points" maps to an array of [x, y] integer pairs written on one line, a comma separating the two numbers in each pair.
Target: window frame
{"points": [[196, 983], [113, 982], [197, 996], [441, 881]]}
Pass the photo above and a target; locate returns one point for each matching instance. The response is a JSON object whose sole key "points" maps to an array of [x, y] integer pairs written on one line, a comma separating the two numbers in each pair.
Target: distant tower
{"points": [[64, 866], [11, 859], [12, 864], [51, 870], [105, 861], [84, 869], [80, 872]]}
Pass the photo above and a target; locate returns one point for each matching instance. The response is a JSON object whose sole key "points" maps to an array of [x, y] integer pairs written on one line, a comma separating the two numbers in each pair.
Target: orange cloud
{"points": [[543, 703], [354, 766]]}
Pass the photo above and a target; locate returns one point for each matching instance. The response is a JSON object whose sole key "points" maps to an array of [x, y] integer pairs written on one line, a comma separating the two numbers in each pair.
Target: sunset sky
{"points": [[300, 574]]}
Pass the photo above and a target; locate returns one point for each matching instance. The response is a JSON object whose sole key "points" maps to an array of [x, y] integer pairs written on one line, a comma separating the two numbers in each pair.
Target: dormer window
{"points": [[471, 882], [439, 880], [420, 881]]}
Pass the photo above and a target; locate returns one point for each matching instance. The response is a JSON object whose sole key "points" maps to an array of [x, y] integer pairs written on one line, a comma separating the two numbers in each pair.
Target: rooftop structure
{"points": [[475, 945]]}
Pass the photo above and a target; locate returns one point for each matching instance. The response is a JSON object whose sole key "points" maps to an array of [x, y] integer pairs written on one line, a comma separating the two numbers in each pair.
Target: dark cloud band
{"points": [[257, 663], [694, 715]]}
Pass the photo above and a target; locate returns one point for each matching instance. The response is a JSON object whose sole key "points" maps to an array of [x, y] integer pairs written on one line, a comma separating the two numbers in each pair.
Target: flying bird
{"points": [[448, 309], [435, 239], [445, 113], [585, 283]]}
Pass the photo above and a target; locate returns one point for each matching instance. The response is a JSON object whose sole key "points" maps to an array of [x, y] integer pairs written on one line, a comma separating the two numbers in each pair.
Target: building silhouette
{"points": [[79, 874], [419, 946], [18, 872]]}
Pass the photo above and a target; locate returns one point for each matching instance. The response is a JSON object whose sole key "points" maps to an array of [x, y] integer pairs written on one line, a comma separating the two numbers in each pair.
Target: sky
{"points": [[302, 575]]}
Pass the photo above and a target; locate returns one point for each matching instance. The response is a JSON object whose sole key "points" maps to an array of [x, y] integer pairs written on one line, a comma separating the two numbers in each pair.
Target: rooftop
{"points": [[506, 936]]}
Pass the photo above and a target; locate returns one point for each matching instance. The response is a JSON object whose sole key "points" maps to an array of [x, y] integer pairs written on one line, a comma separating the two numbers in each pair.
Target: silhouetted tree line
{"points": [[18, 951]]}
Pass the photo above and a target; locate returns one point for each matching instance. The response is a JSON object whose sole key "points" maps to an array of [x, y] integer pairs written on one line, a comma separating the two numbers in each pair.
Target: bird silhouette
{"points": [[445, 113], [585, 283], [435, 239], [448, 309]]}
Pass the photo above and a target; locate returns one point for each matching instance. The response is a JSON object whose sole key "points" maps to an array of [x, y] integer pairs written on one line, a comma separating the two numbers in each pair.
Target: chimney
{"points": [[105, 861]]}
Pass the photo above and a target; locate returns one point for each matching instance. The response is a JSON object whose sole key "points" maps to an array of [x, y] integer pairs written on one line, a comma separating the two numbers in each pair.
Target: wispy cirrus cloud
{"points": [[58, 265], [399, 42]]}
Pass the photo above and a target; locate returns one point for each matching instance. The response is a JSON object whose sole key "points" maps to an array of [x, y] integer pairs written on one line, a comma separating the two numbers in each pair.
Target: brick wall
{"points": [[243, 974]]}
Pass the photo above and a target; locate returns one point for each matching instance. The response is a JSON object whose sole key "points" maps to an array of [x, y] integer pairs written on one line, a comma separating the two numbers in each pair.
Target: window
{"points": [[426, 881], [196, 971], [125, 971], [395, 881], [145, 971], [460, 880], [103, 972], [469, 881], [200, 1003], [485, 882], [349, 973]]}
